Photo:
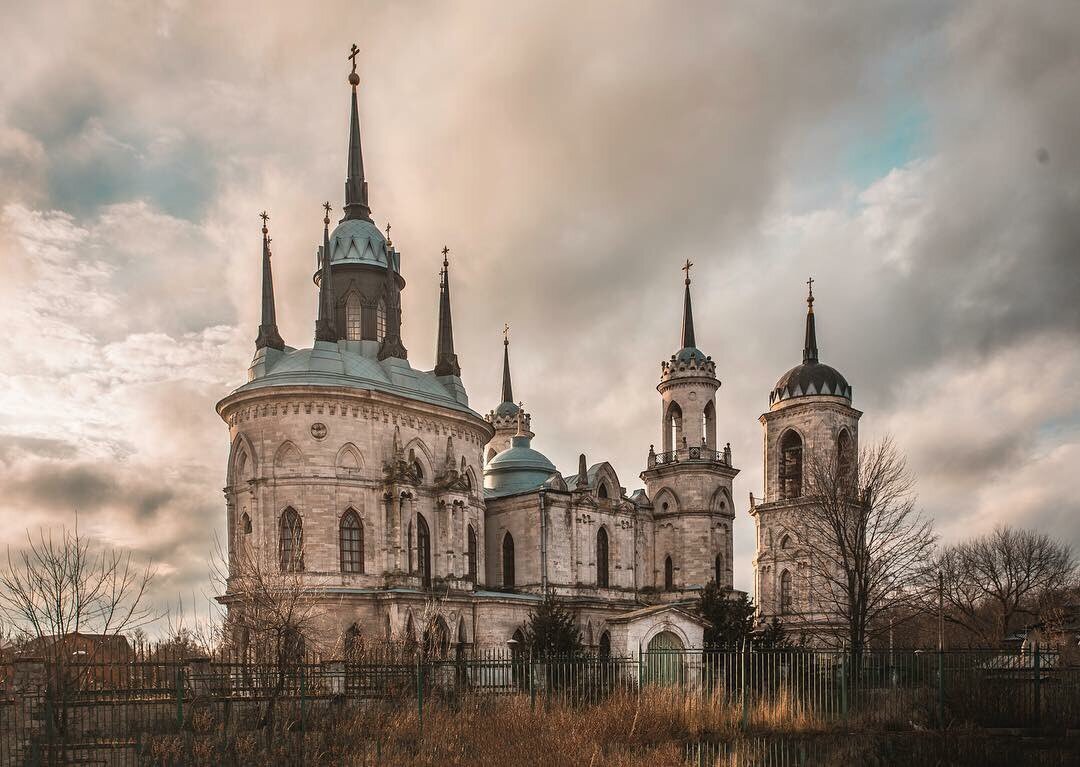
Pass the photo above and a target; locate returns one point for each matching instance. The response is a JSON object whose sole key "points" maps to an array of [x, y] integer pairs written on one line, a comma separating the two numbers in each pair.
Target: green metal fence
{"points": [[112, 708]]}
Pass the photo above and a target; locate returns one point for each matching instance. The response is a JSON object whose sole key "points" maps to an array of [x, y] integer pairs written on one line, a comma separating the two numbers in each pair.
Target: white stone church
{"points": [[382, 487]]}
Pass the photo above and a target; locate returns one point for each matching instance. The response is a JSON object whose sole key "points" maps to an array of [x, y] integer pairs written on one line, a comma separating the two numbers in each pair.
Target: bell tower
{"points": [[689, 480]]}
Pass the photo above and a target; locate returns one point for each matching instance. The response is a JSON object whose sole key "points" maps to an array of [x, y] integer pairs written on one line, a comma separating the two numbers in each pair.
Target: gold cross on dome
{"points": [[353, 53]]}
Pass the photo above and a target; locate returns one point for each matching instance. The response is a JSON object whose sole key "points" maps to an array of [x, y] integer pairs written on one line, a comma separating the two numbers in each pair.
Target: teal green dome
{"points": [[688, 353], [507, 409], [517, 469], [358, 241]]}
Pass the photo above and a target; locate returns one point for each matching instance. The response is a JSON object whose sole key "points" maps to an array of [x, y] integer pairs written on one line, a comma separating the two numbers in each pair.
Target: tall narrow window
{"points": [[471, 553], [380, 320], [291, 542], [351, 538], [673, 428], [785, 592], [602, 558], [791, 465], [508, 561], [708, 425], [718, 569], [423, 551], [353, 314], [409, 545], [669, 575], [845, 460]]}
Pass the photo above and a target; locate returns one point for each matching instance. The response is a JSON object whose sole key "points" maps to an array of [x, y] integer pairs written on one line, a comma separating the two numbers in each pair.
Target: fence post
{"points": [[303, 705], [180, 697], [1038, 687], [532, 682], [941, 688], [745, 686], [843, 685], [419, 699]]}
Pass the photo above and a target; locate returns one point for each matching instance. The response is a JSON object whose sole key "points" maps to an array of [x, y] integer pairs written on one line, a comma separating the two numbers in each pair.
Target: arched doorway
{"points": [[664, 661], [423, 551]]}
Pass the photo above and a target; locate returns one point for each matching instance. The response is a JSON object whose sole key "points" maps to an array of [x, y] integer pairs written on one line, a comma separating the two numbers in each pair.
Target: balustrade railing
{"points": [[694, 453]]}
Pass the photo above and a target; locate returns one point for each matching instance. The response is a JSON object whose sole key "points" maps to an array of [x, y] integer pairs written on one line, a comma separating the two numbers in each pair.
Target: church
{"points": [[409, 513]]}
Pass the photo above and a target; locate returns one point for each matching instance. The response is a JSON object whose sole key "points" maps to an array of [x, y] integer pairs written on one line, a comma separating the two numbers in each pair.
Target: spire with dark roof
{"points": [[446, 362], [268, 337], [688, 313], [324, 325], [507, 387], [810, 351], [356, 193]]}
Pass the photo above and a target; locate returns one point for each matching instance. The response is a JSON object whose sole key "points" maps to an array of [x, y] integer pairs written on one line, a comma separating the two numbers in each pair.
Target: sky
{"points": [[919, 159]]}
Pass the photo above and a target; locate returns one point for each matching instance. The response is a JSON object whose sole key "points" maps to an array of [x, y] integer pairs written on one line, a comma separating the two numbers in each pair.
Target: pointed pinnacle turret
{"points": [[688, 312], [268, 337], [507, 387], [324, 326], [356, 192], [810, 350], [446, 361]]}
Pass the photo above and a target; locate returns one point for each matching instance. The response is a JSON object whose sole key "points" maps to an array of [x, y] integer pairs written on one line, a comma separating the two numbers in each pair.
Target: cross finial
{"points": [[506, 335], [387, 231], [326, 206], [354, 79], [686, 268], [265, 217], [810, 296]]}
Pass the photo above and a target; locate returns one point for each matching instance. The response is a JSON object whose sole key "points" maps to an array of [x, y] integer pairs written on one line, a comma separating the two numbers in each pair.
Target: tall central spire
{"points": [[810, 351], [356, 192], [268, 337], [688, 313], [507, 388], [446, 361]]}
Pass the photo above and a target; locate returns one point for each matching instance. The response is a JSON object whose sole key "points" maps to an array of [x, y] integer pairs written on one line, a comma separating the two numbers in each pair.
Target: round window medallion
{"points": [[692, 396], [318, 430]]}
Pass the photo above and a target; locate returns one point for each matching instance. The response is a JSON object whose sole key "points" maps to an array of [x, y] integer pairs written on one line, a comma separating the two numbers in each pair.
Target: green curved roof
{"points": [[517, 469], [358, 241], [353, 364]]}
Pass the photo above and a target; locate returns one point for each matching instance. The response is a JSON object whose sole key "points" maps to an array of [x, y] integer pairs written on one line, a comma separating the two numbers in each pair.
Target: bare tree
{"points": [[273, 610], [868, 545], [70, 601], [995, 581]]}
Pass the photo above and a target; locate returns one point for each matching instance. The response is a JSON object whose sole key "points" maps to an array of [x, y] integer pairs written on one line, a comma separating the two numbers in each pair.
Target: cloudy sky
{"points": [[920, 160]]}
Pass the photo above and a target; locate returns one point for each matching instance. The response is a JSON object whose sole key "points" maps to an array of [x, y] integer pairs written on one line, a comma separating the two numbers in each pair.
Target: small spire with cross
{"points": [[327, 207], [810, 294], [686, 268], [354, 79], [265, 217], [506, 335], [445, 253]]}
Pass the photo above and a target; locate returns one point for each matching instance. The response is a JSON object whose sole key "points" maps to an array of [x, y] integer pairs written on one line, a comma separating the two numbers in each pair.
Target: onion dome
{"points": [[811, 378], [517, 469]]}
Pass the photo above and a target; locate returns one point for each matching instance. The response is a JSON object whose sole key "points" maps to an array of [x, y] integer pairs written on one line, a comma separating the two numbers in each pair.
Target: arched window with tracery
{"points": [[508, 561], [791, 465], [354, 313], [351, 539], [669, 574], [380, 320], [291, 541], [602, 558], [785, 592], [423, 550], [471, 553]]}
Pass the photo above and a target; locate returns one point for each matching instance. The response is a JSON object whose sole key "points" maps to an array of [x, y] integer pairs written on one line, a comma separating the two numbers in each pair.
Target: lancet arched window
{"points": [[353, 317], [669, 574], [508, 561], [351, 539], [785, 592], [718, 569], [291, 541], [380, 320], [791, 465], [423, 550], [602, 558], [471, 553]]}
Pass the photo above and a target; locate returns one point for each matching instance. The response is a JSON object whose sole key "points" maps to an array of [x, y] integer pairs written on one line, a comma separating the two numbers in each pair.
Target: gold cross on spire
{"points": [[686, 268], [506, 334], [387, 231], [327, 208], [353, 53], [265, 217], [810, 296]]}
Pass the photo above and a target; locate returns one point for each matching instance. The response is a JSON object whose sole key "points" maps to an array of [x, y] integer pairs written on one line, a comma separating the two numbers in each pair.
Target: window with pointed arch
{"points": [[351, 539], [423, 550], [791, 465], [673, 428], [380, 320], [409, 545], [669, 574], [602, 558], [603, 491], [508, 575], [785, 592], [471, 553], [291, 542], [718, 569], [354, 313]]}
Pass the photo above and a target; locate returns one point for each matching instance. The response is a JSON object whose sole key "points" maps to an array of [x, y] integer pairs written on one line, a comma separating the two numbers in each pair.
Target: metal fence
{"points": [[105, 712]]}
